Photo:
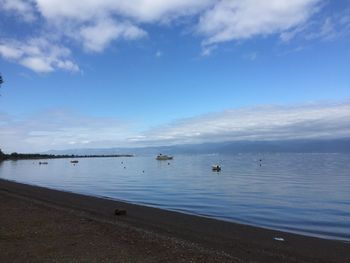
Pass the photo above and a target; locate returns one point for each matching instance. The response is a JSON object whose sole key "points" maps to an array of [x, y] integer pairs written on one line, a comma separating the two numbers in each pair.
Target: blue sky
{"points": [[148, 72]]}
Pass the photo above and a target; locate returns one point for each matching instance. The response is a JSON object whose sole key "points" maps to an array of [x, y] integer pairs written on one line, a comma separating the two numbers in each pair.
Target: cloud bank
{"points": [[311, 121], [60, 129], [95, 25]]}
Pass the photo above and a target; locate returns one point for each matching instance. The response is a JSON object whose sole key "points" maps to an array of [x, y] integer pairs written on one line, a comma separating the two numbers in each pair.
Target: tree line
{"points": [[31, 156]]}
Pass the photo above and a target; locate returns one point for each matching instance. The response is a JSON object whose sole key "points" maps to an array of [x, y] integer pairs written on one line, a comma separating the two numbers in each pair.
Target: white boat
{"points": [[216, 167], [162, 157]]}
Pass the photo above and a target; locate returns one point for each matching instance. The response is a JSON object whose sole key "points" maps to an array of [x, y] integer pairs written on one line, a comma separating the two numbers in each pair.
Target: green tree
{"points": [[2, 155]]}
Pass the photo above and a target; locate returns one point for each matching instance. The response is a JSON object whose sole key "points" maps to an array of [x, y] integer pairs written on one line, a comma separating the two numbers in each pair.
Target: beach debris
{"points": [[119, 212], [281, 239]]}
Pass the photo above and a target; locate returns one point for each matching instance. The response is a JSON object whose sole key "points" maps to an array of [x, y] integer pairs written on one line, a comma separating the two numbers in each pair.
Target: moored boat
{"points": [[163, 157]]}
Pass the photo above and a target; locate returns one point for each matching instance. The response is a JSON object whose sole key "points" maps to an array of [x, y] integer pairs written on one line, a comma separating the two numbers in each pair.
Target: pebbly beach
{"points": [[44, 225]]}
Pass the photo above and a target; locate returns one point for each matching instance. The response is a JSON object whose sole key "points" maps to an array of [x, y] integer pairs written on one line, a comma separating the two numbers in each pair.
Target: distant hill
{"points": [[286, 146]]}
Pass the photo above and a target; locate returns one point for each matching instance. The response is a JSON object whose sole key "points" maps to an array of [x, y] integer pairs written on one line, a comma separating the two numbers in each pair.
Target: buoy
{"points": [[216, 168]]}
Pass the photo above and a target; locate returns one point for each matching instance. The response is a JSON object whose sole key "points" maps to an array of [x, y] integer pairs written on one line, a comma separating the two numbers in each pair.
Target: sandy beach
{"points": [[44, 225]]}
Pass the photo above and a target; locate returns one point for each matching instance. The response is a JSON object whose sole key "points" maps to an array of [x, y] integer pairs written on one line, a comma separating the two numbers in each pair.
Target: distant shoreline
{"points": [[24, 156], [241, 241]]}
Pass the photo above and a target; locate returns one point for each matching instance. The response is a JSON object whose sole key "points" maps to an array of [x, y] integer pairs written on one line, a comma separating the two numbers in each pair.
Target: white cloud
{"points": [[23, 8], [38, 54], [37, 64], [59, 129], [140, 10], [287, 36], [328, 28], [96, 24], [98, 36], [236, 20], [10, 52], [327, 31], [208, 50], [220, 20], [258, 123]]}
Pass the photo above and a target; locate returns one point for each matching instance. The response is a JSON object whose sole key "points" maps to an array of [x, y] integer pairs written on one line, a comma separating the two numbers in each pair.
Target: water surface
{"points": [[300, 193]]}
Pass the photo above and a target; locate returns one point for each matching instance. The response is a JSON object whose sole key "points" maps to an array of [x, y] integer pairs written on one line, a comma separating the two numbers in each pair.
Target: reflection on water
{"points": [[301, 193]]}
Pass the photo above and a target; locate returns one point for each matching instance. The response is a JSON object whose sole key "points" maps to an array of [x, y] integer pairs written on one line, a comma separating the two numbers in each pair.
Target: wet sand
{"points": [[43, 225]]}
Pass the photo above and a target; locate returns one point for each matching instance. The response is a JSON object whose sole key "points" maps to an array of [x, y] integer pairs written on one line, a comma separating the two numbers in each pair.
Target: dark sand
{"points": [[43, 225]]}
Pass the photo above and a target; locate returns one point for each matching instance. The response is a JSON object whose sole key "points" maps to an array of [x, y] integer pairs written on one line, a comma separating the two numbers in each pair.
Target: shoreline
{"points": [[245, 242], [35, 156]]}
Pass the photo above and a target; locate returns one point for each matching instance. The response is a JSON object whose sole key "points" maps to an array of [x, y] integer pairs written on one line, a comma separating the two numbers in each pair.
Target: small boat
{"points": [[43, 163], [216, 168], [74, 161], [163, 157]]}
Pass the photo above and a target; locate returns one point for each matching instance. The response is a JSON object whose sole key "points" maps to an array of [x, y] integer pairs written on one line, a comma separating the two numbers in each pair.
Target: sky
{"points": [[119, 73]]}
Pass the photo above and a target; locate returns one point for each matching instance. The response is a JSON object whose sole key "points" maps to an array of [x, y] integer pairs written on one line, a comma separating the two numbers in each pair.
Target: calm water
{"points": [[300, 193]]}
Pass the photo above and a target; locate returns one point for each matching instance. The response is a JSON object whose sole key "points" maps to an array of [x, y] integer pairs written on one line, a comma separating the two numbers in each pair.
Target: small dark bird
{"points": [[120, 212]]}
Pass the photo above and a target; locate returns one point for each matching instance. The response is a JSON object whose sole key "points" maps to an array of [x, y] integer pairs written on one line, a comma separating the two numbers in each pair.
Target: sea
{"points": [[306, 193]]}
